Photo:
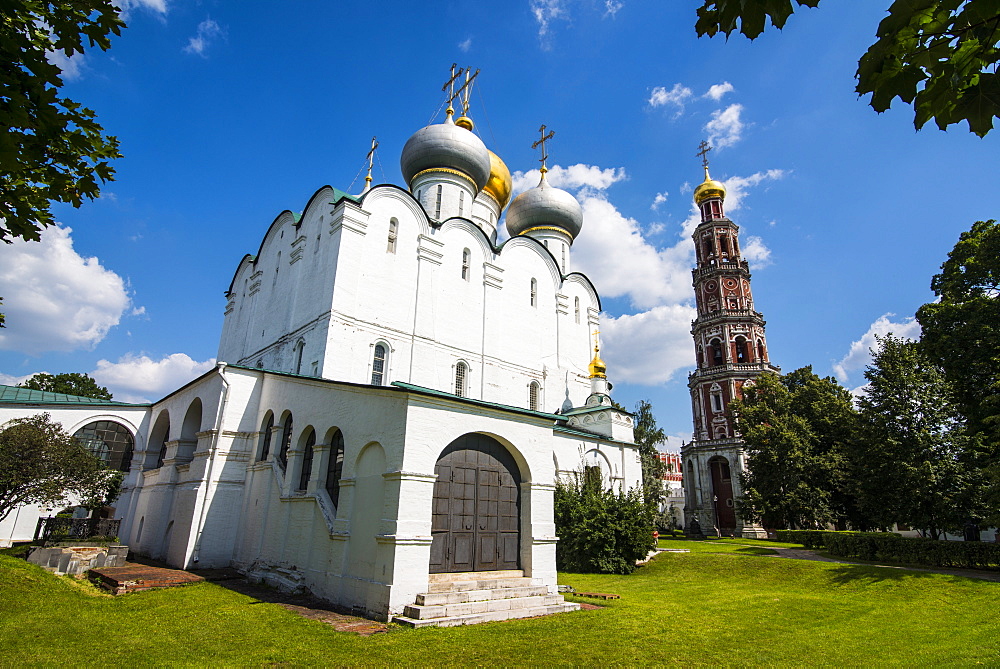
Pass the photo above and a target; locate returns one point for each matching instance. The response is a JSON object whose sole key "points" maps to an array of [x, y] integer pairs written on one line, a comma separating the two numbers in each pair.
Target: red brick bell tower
{"points": [[730, 349]]}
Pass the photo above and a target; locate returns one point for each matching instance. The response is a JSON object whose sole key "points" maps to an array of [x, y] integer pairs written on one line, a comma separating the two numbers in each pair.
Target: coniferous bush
{"points": [[600, 531]]}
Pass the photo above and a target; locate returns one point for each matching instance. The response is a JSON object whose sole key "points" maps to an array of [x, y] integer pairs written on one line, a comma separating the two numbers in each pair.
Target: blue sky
{"points": [[229, 113]]}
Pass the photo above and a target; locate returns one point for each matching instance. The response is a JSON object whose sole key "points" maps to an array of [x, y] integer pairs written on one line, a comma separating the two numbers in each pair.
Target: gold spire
{"points": [[598, 370], [371, 159], [541, 143]]}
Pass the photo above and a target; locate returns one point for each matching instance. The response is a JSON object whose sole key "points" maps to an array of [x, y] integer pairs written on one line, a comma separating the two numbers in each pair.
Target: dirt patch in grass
{"points": [[307, 606]]}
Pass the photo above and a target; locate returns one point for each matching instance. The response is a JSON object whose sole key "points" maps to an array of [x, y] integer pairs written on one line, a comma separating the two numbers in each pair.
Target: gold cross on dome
{"points": [[541, 143], [371, 158], [466, 90], [450, 84], [704, 148], [596, 340]]}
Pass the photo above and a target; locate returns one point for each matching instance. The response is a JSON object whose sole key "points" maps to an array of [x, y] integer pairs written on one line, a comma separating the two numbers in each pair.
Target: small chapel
{"points": [[397, 394]]}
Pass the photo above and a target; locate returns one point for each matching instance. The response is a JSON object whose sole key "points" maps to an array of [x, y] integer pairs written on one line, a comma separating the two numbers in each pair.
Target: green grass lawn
{"points": [[714, 605]]}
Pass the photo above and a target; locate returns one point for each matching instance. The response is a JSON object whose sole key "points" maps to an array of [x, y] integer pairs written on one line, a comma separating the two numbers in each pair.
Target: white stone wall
{"points": [[20, 524], [332, 286]]}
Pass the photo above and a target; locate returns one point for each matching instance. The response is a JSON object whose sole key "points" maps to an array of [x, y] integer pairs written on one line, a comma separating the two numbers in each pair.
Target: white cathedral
{"points": [[396, 396]]}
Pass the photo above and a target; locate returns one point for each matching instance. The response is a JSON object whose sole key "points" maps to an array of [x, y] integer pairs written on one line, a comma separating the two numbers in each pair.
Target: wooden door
{"points": [[476, 522], [722, 489]]}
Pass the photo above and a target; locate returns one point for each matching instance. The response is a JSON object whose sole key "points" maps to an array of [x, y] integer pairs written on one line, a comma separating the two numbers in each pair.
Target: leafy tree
{"points": [[70, 383], [795, 430], [648, 437], [960, 331], [40, 463], [919, 463], [51, 148], [940, 56], [600, 531]]}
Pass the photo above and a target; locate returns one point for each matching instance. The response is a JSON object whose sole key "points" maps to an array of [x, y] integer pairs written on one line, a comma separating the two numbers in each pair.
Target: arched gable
{"points": [[397, 194], [543, 253], [473, 230], [584, 281]]}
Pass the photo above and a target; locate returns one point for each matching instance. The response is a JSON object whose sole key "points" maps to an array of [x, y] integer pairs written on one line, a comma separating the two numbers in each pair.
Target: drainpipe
{"points": [[221, 369]]}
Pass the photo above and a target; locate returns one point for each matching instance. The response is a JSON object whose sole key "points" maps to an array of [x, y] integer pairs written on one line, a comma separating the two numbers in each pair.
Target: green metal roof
{"points": [[17, 395], [339, 195]]}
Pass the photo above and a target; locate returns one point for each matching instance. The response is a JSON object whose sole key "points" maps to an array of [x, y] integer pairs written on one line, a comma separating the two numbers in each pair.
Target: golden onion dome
{"points": [[709, 188], [597, 367], [499, 186], [464, 121]]}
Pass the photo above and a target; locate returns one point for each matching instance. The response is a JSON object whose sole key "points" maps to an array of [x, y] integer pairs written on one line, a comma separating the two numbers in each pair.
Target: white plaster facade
{"points": [[303, 321]]}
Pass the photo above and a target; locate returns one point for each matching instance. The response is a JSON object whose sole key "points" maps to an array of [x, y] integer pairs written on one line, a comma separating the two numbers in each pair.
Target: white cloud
{"points": [[755, 252], [54, 299], [736, 187], [208, 31], [465, 45], [572, 177], [658, 200], [725, 128], [9, 380], [139, 378], [716, 91], [654, 276], [545, 12], [649, 347], [676, 97], [159, 6], [71, 67], [611, 7], [859, 356]]}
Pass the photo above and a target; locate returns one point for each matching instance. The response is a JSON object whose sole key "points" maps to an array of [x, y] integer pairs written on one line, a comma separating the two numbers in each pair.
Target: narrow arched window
{"points": [[277, 267], [335, 467], [461, 202], [466, 263], [299, 348], [307, 460], [533, 392], [534, 293], [576, 309], [265, 438], [760, 351], [716, 351], [286, 439], [390, 246], [742, 355], [437, 207], [378, 365], [563, 258], [461, 377]]}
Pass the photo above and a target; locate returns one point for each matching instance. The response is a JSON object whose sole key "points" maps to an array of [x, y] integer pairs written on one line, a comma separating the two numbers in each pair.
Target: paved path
{"points": [[805, 554]]}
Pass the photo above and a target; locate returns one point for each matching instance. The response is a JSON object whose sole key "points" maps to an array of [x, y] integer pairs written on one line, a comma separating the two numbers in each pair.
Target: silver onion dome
{"points": [[446, 145], [544, 206]]}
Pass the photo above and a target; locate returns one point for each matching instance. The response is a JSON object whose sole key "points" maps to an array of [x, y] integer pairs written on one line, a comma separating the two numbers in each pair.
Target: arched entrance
{"points": [[722, 496], [476, 521]]}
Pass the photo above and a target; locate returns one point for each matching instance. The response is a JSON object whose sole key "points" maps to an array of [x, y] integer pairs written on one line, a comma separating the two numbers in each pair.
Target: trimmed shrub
{"points": [[818, 538], [933, 552], [600, 531]]}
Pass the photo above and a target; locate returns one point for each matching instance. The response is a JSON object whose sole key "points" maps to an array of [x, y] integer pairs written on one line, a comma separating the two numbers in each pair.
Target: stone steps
{"points": [[478, 597]]}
